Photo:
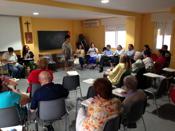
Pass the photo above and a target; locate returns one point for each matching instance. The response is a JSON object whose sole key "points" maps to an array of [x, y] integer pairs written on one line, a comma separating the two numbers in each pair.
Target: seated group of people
{"points": [[104, 105], [14, 66]]}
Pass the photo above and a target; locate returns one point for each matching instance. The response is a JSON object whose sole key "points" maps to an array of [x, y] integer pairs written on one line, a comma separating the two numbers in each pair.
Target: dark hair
{"points": [[104, 48], [147, 53], [103, 87], [132, 46], [164, 47], [147, 47], [120, 46], [67, 37], [108, 46], [10, 49], [24, 51], [162, 52]]}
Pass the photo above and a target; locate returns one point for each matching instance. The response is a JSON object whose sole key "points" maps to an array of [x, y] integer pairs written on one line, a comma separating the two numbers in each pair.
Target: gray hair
{"points": [[130, 82]]}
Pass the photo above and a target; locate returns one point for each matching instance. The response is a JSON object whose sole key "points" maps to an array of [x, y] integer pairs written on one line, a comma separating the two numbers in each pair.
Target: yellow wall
{"points": [[39, 24], [96, 35]]}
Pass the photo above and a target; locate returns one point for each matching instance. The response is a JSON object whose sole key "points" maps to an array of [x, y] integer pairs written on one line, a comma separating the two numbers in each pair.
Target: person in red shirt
{"points": [[33, 76], [160, 61]]}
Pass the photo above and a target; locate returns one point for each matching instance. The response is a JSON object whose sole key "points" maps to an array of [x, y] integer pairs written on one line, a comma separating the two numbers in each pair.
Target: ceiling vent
{"points": [[91, 23]]}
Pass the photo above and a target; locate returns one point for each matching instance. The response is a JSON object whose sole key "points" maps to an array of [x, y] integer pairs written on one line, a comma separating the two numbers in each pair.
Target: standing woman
{"points": [[80, 53], [67, 50]]}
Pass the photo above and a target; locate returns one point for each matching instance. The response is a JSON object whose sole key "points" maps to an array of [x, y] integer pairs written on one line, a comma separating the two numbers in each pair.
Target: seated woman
{"points": [[93, 54], [132, 93], [115, 74], [27, 53], [148, 62], [80, 53], [33, 76], [160, 61], [138, 64], [11, 97], [100, 110]]}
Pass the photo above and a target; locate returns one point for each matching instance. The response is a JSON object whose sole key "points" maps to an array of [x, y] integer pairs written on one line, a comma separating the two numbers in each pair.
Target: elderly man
{"points": [[48, 90]]}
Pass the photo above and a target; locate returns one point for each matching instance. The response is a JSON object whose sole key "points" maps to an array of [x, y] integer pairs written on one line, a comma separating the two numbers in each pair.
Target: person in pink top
{"points": [[160, 61]]}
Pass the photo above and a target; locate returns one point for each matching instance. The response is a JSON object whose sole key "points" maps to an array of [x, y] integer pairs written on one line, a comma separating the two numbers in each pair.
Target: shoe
{"points": [[101, 69]]}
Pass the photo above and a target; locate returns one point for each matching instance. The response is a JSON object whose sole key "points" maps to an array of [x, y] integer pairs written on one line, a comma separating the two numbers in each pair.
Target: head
{"points": [[161, 52], [147, 53], [146, 47], [10, 50], [45, 78], [103, 88], [130, 82], [164, 47], [43, 63], [26, 47], [137, 55], [92, 45], [67, 38], [80, 46], [108, 47], [123, 59], [130, 47], [119, 47]]}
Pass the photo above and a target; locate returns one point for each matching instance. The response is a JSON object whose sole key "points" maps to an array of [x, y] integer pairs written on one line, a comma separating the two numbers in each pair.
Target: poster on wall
{"points": [[29, 38]]}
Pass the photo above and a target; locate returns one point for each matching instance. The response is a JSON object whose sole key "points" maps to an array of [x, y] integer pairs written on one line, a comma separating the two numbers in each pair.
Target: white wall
{"points": [[10, 34]]}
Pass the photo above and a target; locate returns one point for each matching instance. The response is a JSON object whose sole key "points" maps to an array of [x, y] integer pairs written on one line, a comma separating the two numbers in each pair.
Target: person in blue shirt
{"points": [[10, 97], [106, 58]]}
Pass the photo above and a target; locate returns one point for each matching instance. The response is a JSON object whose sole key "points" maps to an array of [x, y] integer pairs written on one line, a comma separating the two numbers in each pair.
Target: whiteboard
{"points": [[10, 33]]}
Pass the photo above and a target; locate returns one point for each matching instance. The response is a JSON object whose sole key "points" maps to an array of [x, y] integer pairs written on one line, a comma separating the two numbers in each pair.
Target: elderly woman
{"points": [[138, 64], [115, 74], [132, 93], [100, 109]]}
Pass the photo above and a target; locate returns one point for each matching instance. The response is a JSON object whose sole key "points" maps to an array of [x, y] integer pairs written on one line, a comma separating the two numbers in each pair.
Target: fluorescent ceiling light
{"points": [[35, 13], [105, 1]]}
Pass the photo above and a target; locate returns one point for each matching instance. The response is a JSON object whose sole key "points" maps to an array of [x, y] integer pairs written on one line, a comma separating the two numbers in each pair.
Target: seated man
{"points": [[48, 90], [10, 59], [167, 55], [107, 57]]}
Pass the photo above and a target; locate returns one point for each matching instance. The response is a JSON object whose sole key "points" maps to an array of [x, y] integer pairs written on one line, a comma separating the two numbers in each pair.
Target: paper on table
{"points": [[119, 92], [89, 81], [87, 102], [71, 73], [17, 128], [169, 69]]}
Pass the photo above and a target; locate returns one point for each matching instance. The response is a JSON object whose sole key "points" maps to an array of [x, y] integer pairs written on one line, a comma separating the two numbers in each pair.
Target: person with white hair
{"points": [[138, 64], [132, 93]]}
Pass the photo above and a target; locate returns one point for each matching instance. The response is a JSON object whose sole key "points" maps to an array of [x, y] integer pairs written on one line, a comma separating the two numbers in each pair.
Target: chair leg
{"points": [[80, 92], [156, 104], [36, 125], [144, 123], [66, 123]]}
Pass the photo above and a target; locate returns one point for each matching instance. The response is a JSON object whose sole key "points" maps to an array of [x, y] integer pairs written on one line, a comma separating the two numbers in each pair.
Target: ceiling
{"points": [[140, 6], [25, 9]]}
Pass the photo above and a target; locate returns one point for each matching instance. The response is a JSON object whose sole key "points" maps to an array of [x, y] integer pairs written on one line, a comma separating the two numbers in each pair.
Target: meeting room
{"points": [[87, 65]]}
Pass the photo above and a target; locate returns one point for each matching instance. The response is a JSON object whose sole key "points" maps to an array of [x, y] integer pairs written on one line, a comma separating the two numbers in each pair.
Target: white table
{"points": [[89, 81], [72, 73], [18, 128], [170, 70], [119, 92], [153, 75]]}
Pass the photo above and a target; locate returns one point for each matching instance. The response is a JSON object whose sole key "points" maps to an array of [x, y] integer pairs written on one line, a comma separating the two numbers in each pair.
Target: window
{"points": [[163, 39], [115, 38]]}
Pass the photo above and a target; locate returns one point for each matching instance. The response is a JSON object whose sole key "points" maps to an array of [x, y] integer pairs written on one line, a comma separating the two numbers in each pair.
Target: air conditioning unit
{"points": [[91, 23]]}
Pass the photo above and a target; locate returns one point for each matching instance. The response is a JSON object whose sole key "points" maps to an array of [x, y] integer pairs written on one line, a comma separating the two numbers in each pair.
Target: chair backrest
{"points": [[34, 88], [52, 110], [9, 117], [91, 92], [136, 110], [162, 87], [113, 124], [71, 82]]}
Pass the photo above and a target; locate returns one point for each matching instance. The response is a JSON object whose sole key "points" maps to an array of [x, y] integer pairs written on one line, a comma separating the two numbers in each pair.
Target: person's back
{"points": [[48, 90], [99, 112]]}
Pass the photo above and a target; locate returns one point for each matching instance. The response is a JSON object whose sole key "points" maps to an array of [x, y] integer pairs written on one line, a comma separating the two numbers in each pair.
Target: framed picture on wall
{"points": [[28, 37]]}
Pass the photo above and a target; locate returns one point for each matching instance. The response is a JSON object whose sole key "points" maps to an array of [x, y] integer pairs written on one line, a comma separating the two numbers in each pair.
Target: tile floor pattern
{"points": [[153, 122]]}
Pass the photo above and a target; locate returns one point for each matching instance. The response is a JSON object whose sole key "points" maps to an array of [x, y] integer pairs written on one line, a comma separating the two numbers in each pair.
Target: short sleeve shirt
{"points": [[9, 99]]}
